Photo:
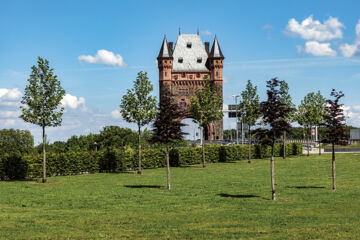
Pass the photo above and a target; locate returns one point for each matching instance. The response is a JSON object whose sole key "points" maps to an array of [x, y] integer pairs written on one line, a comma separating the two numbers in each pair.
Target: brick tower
{"points": [[182, 69]]}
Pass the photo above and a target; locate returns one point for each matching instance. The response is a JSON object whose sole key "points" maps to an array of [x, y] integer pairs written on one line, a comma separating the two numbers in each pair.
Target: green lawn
{"points": [[224, 201]]}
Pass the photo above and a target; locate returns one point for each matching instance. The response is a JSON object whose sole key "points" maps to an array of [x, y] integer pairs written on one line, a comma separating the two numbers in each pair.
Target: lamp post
{"points": [[236, 115]]}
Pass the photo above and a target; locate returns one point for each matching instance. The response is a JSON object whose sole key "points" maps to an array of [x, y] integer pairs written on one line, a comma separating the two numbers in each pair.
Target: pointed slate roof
{"points": [[216, 50], [164, 51]]}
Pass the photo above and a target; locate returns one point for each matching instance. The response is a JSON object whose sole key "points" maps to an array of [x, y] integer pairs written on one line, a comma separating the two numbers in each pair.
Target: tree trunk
{"points": [[44, 156], [319, 142], [308, 146], [168, 167], [203, 149], [249, 157], [139, 132], [284, 145], [273, 196], [333, 167]]}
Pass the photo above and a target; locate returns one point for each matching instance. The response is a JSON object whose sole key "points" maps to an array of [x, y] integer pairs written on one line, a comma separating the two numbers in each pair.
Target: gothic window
{"points": [[182, 103], [188, 44], [199, 60], [217, 73], [165, 61], [183, 75], [198, 75], [180, 60]]}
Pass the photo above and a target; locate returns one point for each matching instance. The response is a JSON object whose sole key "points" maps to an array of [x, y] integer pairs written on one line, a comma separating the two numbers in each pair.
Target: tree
{"points": [[249, 109], [137, 106], [167, 126], [115, 136], [205, 108], [311, 113], [285, 98], [41, 101], [274, 113], [335, 123]]}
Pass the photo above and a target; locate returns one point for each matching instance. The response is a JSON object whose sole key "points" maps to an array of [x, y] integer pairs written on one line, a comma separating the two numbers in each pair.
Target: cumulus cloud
{"points": [[350, 50], [9, 114], [310, 29], [73, 102], [104, 57], [10, 94], [352, 114], [116, 114], [319, 49], [206, 32]]}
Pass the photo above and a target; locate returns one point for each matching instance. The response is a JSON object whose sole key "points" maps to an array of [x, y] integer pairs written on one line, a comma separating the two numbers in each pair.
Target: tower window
{"points": [[183, 75], [183, 92], [199, 60], [165, 61], [165, 74], [198, 75], [180, 60], [188, 44], [182, 104], [217, 73]]}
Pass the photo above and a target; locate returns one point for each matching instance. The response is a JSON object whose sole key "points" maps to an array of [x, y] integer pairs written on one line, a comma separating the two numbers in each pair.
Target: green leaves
{"points": [[137, 106], [311, 111], [42, 97], [249, 110], [207, 106]]}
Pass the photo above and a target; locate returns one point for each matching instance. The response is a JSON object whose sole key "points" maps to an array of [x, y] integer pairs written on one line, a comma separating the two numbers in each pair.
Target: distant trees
{"points": [[167, 126], [206, 108], [249, 109], [285, 98], [138, 106], [41, 101], [335, 123], [274, 113], [311, 113]]}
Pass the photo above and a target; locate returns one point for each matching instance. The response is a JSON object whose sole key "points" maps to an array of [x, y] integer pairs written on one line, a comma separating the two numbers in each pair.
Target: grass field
{"points": [[223, 201]]}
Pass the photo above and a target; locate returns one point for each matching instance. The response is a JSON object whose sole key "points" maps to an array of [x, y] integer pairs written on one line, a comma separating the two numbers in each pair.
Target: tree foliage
{"points": [[41, 100], [167, 125], [206, 107], [275, 114], [249, 109], [138, 106]]}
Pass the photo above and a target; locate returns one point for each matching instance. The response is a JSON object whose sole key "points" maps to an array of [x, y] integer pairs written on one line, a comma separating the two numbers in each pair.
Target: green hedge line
{"points": [[16, 166]]}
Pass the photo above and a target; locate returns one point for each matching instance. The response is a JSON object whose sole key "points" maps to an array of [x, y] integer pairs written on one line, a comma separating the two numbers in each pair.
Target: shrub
{"points": [[13, 166]]}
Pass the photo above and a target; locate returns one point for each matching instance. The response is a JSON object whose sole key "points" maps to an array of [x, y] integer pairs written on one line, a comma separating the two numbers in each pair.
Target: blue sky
{"points": [[312, 45]]}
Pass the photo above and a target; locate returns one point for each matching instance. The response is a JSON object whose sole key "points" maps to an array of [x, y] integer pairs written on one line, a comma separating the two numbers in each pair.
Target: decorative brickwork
{"points": [[183, 69]]}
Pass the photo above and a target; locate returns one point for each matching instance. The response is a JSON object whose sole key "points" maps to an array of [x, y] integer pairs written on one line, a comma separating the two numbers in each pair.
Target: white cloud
{"points": [[116, 114], [9, 114], [310, 29], [352, 114], [7, 122], [350, 50], [206, 32], [319, 49], [73, 102], [104, 57], [10, 94]]}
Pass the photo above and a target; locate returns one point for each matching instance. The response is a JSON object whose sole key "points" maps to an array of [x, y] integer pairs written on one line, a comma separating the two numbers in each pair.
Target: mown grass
{"points": [[223, 201]]}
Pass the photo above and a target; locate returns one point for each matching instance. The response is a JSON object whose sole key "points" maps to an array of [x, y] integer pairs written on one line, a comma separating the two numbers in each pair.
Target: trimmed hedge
{"points": [[15, 166]]}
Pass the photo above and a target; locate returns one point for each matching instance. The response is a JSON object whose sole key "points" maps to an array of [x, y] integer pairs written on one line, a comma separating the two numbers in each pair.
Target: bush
{"points": [[14, 167], [185, 156]]}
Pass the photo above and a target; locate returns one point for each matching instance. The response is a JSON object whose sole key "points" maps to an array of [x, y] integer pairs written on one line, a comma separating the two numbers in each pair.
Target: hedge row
{"points": [[16, 166]]}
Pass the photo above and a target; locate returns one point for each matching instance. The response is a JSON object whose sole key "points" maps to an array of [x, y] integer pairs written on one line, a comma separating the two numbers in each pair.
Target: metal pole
{"points": [[242, 133], [237, 127]]}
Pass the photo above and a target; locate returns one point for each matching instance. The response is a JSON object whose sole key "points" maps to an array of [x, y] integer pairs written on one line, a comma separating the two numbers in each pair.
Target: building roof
{"points": [[216, 50], [164, 51], [189, 54]]}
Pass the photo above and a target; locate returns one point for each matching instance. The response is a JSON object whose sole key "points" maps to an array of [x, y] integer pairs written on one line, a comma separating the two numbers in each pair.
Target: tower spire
{"points": [[164, 51], [179, 30], [216, 50]]}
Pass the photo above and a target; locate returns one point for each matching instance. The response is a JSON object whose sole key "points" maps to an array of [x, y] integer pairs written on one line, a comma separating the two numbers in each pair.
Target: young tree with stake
{"points": [[335, 123], [138, 106], [41, 101], [205, 108], [249, 109], [274, 115], [167, 125]]}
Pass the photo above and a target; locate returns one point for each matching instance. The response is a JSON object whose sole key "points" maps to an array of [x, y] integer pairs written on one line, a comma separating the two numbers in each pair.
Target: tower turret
{"points": [[165, 62], [216, 59]]}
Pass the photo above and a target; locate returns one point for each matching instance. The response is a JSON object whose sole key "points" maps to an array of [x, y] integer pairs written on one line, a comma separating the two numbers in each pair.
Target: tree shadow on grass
{"points": [[142, 186], [237, 195], [306, 187]]}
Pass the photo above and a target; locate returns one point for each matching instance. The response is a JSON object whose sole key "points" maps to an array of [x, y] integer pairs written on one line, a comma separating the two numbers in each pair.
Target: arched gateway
{"points": [[182, 68]]}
